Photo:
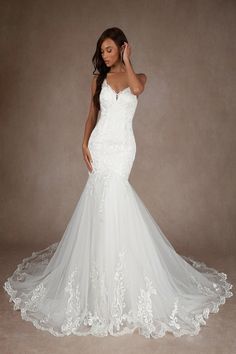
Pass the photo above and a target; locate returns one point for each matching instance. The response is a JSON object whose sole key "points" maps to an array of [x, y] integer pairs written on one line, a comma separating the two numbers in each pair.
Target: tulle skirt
{"points": [[114, 271]]}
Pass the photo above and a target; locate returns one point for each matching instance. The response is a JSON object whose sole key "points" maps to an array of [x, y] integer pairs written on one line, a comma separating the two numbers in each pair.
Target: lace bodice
{"points": [[113, 133]]}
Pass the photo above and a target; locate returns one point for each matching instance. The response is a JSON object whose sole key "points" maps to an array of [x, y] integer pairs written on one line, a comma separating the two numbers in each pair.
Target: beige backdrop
{"points": [[184, 125]]}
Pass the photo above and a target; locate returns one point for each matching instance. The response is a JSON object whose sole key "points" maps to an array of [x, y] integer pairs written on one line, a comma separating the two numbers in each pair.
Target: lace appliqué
{"points": [[145, 314], [174, 320], [114, 319], [118, 303], [73, 308], [97, 186]]}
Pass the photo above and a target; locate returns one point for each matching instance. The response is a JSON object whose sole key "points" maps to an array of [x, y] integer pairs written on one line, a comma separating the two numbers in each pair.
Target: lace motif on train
{"points": [[121, 320]]}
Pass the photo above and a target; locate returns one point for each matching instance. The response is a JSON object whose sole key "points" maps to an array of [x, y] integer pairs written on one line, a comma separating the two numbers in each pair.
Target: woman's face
{"points": [[110, 52]]}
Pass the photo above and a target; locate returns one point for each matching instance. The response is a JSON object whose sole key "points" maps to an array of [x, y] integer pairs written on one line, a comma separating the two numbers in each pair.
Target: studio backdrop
{"points": [[184, 124]]}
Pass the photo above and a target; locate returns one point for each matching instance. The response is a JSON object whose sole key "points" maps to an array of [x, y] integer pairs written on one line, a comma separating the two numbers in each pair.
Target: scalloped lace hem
{"points": [[153, 328]]}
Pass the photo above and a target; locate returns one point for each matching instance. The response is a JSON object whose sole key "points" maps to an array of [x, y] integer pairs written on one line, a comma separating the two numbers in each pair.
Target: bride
{"points": [[114, 271]]}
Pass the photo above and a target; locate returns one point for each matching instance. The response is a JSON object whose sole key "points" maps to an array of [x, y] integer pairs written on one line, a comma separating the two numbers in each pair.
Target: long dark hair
{"points": [[118, 36]]}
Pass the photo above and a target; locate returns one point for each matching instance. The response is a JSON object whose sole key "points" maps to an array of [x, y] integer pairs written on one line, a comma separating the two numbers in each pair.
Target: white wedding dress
{"points": [[114, 270]]}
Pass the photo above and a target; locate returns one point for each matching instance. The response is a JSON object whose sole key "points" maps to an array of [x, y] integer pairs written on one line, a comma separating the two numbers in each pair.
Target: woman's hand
{"points": [[87, 157], [126, 50]]}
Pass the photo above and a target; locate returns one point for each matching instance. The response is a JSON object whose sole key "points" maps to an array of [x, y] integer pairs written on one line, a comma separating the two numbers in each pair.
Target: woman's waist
{"points": [[112, 135], [119, 143], [113, 142]]}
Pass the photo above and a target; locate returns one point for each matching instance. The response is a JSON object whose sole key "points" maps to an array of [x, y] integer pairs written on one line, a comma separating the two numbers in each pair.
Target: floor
{"points": [[218, 336]]}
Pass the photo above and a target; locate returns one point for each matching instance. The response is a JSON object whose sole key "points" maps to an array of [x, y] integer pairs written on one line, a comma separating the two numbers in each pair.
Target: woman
{"points": [[114, 270]]}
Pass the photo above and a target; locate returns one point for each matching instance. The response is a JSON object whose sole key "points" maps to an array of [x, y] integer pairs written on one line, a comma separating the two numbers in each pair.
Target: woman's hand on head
{"points": [[87, 157], [126, 50]]}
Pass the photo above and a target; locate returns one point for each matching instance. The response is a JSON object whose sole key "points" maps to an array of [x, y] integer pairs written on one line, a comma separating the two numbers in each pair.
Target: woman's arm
{"points": [[92, 115], [136, 81], [89, 126]]}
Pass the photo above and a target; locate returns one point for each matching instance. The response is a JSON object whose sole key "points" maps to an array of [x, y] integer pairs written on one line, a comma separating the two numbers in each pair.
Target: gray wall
{"points": [[184, 125]]}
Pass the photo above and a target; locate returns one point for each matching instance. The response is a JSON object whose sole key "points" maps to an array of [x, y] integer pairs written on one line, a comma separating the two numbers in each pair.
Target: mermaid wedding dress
{"points": [[114, 270]]}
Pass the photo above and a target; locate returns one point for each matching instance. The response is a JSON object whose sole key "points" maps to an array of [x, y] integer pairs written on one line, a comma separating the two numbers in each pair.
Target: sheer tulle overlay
{"points": [[114, 270]]}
